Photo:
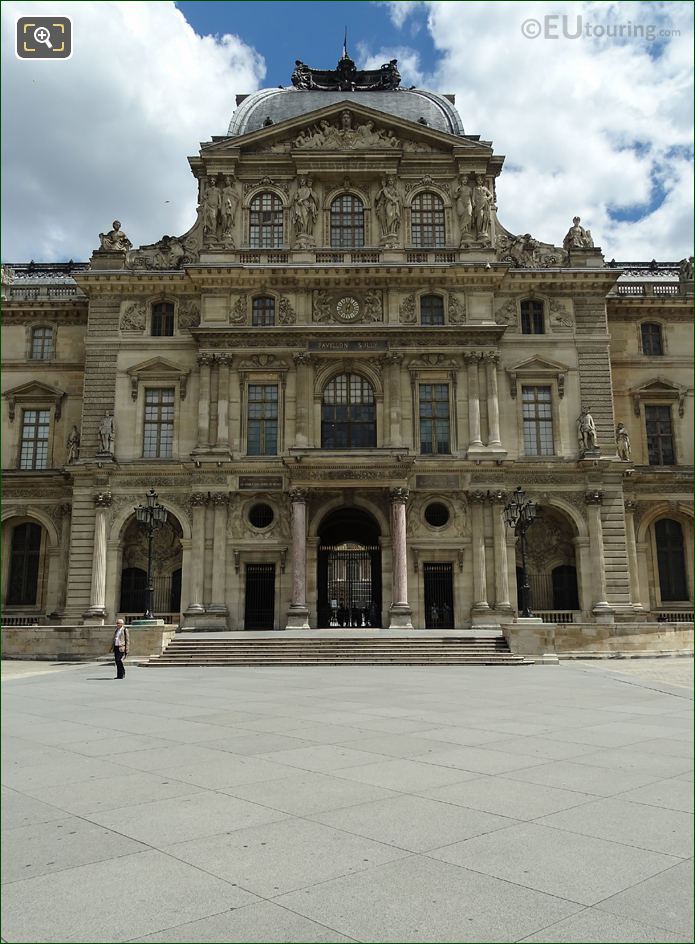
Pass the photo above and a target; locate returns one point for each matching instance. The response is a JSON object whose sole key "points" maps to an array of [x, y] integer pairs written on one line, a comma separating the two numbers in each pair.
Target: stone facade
{"points": [[347, 359]]}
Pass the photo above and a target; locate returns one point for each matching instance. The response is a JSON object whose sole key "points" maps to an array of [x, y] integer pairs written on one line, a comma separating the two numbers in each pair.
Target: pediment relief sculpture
{"points": [[407, 313], [525, 252], [559, 316], [134, 316], [189, 314], [457, 309], [239, 310], [344, 136]]}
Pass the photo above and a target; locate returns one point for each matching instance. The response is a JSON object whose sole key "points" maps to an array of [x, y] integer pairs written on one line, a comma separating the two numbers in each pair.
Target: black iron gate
{"points": [[439, 596], [349, 586], [260, 596]]}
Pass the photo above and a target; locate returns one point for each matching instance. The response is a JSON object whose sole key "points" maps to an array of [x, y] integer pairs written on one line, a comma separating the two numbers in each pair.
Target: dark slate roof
{"points": [[285, 103]]}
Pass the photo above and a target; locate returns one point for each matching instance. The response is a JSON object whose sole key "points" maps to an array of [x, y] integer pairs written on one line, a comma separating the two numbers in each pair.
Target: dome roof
{"points": [[282, 104]]}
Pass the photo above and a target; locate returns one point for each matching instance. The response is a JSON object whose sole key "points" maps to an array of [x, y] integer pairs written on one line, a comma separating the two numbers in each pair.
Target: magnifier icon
{"points": [[43, 35]]}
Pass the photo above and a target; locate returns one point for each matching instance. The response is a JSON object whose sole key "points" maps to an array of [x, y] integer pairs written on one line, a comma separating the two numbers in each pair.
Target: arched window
{"points": [[22, 589], [347, 222], [431, 310], [532, 317], [163, 320], [427, 221], [348, 413], [133, 585], [671, 560], [652, 340], [265, 221], [263, 310]]}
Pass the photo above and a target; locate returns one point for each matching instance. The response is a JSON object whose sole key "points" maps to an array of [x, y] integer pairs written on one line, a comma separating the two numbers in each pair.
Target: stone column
{"points": [[480, 604], [493, 405], [392, 361], [204, 363], [400, 613], [223, 361], [472, 359], [219, 555], [304, 401], [499, 535], [97, 605], [600, 607], [298, 616], [198, 503], [631, 542]]}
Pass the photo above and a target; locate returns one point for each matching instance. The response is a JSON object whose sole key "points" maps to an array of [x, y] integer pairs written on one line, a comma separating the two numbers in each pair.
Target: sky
{"points": [[591, 102]]}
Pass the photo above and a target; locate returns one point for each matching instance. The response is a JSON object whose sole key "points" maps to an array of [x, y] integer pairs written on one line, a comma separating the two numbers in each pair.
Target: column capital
{"points": [[225, 360], [205, 359], [471, 357], [301, 358], [391, 358], [491, 358], [198, 499], [476, 498], [399, 496], [498, 497], [298, 494], [65, 509], [593, 497], [103, 499], [630, 505], [219, 499]]}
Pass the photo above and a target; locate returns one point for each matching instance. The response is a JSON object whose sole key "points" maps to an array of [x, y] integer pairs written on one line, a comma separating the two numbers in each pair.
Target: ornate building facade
{"points": [[334, 380]]}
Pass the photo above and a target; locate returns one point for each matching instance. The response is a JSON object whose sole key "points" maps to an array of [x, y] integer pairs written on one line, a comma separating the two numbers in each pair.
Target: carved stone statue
{"points": [[586, 431], [482, 202], [115, 240], [577, 237], [685, 270], [169, 253], [73, 445], [304, 212], [463, 200], [230, 202], [388, 209], [622, 441], [107, 434], [211, 207]]}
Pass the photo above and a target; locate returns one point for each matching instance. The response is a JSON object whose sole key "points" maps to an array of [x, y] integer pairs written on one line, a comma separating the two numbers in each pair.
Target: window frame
{"points": [[40, 555], [356, 229], [49, 351], [535, 385], [661, 335], [47, 425], [532, 319], [276, 226], [169, 316], [350, 424], [264, 311], [427, 296], [687, 563], [159, 423], [262, 420], [428, 382], [672, 435], [419, 227]]}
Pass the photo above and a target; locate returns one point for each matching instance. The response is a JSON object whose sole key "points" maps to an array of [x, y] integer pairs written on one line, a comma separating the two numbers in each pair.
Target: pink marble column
{"points": [[298, 615], [400, 612]]}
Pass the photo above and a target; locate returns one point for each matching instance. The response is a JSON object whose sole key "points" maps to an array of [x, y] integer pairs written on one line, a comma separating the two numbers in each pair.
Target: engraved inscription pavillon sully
{"points": [[335, 379]]}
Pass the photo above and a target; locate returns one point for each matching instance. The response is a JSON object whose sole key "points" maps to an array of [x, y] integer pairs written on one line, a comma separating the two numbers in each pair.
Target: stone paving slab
{"points": [[369, 803]]}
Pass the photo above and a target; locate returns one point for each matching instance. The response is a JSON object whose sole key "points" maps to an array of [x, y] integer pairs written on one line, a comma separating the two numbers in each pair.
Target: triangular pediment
{"points": [[539, 365], [369, 129], [155, 367], [658, 386], [33, 390]]}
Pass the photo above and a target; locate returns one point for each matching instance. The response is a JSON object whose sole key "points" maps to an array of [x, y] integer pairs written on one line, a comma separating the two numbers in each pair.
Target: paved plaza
{"points": [[532, 803]]}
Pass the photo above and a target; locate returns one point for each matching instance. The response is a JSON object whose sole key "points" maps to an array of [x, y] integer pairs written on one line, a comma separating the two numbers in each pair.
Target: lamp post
{"points": [[520, 513], [150, 517]]}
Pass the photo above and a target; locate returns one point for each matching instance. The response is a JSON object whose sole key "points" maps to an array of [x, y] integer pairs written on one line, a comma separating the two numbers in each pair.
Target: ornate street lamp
{"points": [[520, 513], [150, 517]]}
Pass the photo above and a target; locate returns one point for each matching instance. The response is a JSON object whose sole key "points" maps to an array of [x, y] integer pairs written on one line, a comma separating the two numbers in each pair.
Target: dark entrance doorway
{"points": [[260, 596], [349, 571], [439, 596]]}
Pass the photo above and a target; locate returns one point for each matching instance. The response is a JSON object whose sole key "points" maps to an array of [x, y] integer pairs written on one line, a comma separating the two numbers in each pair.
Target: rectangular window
{"points": [[434, 419], [262, 431], [33, 453], [432, 310], [163, 320], [532, 321], [158, 435], [659, 435], [537, 406], [42, 344], [652, 341], [263, 311]]}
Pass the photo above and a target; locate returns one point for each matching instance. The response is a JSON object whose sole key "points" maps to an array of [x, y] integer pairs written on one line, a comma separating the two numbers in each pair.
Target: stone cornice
{"points": [[297, 336]]}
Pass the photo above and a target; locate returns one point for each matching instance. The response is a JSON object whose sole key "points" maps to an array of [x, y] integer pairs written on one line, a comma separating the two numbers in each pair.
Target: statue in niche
{"points": [[388, 209], [304, 212], [211, 207], [622, 441], [230, 202], [463, 200], [482, 202], [577, 237], [107, 434], [115, 240], [586, 431], [73, 446]]}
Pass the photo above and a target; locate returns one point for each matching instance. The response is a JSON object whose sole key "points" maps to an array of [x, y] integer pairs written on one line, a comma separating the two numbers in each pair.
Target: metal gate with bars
{"points": [[439, 596], [259, 611], [349, 586]]}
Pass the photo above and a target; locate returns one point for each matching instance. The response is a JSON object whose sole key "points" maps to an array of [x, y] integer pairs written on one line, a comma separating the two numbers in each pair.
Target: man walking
{"points": [[121, 640]]}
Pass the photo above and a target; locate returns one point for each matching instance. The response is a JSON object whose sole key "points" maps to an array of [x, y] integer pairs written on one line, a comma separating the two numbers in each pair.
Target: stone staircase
{"points": [[280, 649]]}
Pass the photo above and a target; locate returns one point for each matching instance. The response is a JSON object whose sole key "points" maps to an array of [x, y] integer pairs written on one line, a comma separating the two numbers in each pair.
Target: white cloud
{"points": [[408, 62], [588, 125], [106, 133]]}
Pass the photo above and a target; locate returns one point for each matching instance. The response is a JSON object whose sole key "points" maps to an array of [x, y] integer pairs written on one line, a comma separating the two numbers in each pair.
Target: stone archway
{"points": [[552, 562], [167, 555], [349, 570]]}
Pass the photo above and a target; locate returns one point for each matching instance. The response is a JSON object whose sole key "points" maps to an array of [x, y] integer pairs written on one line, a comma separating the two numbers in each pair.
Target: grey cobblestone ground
{"points": [[376, 803]]}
